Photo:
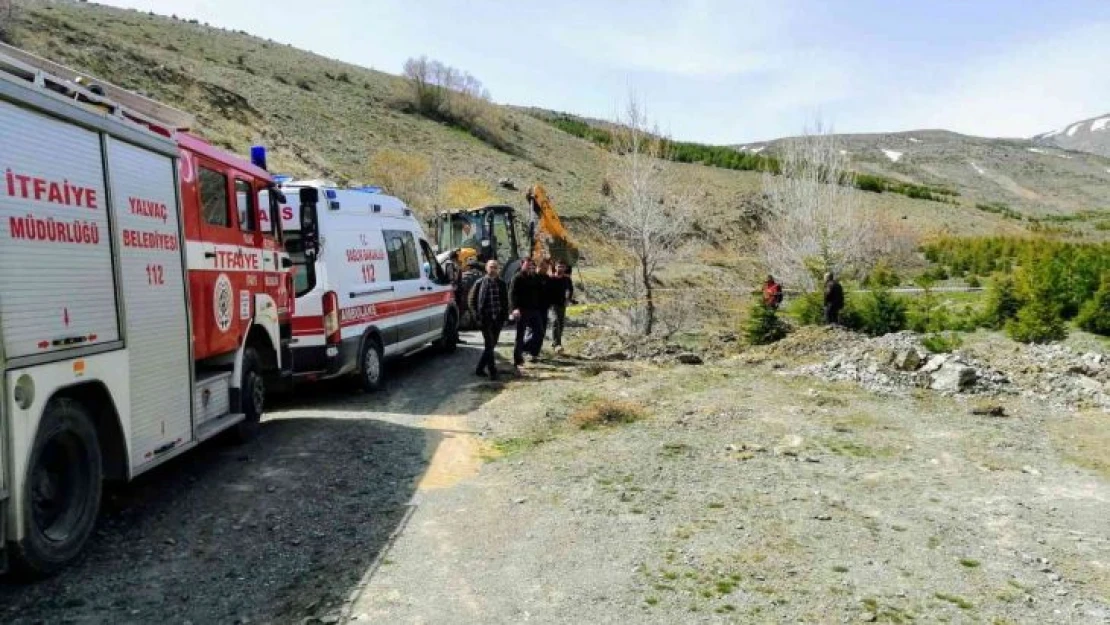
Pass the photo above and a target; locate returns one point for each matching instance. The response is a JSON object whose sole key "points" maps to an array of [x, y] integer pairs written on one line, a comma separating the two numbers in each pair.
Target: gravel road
{"points": [[275, 531]]}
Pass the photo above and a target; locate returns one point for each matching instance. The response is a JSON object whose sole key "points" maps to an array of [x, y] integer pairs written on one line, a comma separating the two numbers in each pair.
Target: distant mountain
{"points": [[1090, 135], [1035, 177]]}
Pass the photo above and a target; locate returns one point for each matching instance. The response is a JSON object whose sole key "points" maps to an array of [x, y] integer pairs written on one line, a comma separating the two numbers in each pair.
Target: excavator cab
{"points": [[490, 232], [485, 233], [478, 234]]}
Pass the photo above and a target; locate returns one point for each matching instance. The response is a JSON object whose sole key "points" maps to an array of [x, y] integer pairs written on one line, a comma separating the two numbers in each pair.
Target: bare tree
{"points": [[815, 222], [650, 208]]}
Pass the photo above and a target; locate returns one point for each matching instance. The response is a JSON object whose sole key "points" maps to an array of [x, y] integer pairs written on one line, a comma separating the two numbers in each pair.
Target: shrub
{"points": [[942, 343], [808, 309], [606, 412], [880, 312], [973, 281], [763, 326], [1003, 302], [1037, 322], [1094, 316], [882, 276]]}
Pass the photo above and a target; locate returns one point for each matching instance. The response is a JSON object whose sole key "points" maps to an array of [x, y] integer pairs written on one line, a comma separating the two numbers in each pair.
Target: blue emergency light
{"points": [[258, 156]]}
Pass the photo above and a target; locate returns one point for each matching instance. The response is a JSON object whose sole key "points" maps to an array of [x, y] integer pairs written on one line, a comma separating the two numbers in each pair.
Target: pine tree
{"points": [[1094, 316], [763, 326]]}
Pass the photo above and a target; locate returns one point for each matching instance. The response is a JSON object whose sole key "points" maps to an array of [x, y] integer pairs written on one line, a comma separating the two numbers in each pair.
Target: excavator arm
{"points": [[546, 235]]}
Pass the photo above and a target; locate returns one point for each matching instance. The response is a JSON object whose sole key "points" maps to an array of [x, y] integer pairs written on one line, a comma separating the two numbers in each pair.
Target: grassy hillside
{"points": [[318, 116], [321, 117]]}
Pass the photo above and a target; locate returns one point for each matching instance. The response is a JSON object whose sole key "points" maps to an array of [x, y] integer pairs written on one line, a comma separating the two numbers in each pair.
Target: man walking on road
{"points": [[526, 299], [560, 290], [489, 299], [834, 299]]}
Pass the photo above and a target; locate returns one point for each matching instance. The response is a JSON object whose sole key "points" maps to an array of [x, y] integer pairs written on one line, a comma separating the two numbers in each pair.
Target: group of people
{"points": [[538, 296], [833, 297]]}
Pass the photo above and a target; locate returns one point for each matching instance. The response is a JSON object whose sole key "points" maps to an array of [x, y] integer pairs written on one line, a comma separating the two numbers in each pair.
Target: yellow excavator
{"points": [[464, 237]]}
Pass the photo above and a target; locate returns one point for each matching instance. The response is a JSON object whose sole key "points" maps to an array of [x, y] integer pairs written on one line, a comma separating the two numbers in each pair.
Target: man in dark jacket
{"points": [[560, 290], [489, 299], [834, 299], [526, 298]]}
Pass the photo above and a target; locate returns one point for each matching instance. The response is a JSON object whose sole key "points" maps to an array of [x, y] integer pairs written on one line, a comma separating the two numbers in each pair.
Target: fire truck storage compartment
{"points": [[63, 248], [56, 255], [144, 196], [213, 397]]}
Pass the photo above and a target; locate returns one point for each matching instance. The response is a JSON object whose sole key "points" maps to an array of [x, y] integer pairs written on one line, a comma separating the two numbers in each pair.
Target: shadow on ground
{"points": [[275, 531]]}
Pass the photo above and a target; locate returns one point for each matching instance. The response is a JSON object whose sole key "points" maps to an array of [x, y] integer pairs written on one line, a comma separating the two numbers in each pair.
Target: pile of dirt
{"points": [[614, 346]]}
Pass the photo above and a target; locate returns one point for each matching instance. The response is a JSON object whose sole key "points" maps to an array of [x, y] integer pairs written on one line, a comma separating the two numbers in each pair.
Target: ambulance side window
{"points": [[244, 202], [213, 197], [404, 262]]}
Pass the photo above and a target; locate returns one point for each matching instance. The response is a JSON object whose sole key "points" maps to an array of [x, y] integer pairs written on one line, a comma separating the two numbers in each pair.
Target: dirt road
{"points": [[744, 495], [275, 531]]}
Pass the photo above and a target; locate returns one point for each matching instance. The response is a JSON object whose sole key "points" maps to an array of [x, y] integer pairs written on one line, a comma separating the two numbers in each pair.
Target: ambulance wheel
{"points": [[61, 495], [252, 396], [370, 365], [449, 341]]}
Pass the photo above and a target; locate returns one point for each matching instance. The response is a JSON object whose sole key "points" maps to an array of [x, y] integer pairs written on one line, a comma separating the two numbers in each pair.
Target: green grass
{"points": [[969, 563], [956, 600], [511, 447]]}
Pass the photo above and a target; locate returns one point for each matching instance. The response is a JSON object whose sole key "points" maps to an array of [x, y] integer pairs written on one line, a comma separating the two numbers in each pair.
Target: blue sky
{"points": [[729, 72]]}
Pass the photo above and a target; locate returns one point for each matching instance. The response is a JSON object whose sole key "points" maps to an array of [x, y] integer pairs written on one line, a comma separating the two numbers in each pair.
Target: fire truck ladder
{"points": [[92, 91]]}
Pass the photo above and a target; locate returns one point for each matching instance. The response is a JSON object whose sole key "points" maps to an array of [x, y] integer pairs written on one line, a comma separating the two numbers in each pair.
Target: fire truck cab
{"points": [[144, 306]]}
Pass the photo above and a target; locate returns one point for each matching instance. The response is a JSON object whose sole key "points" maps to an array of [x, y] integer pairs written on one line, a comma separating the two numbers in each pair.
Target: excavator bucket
{"points": [[548, 236]]}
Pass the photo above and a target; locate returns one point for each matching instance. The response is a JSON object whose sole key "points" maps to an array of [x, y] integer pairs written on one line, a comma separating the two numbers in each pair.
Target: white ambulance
{"points": [[368, 287]]}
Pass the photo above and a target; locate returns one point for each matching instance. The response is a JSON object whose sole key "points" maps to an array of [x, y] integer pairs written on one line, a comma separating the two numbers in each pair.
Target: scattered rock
{"points": [[690, 358], [823, 517], [907, 360], [1030, 470], [953, 377], [520, 500], [868, 617], [988, 409]]}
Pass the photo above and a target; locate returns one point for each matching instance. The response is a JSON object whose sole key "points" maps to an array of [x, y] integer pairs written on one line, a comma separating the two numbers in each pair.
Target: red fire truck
{"points": [[144, 307]]}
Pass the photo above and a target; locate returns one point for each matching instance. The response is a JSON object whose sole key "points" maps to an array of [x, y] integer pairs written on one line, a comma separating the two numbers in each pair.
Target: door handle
{"points": [[209, 254]]}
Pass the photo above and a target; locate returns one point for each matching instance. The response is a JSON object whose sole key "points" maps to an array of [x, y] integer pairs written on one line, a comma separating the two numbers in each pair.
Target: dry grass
{"points": [[1084, 440], [607, 412]]}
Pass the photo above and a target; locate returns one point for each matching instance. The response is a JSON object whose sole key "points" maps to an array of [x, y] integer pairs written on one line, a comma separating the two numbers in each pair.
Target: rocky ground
{"points": [[768, 486]]}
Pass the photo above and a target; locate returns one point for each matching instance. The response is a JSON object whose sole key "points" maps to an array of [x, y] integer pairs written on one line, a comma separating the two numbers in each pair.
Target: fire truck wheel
{"points": [[61, 494], [449, 341], [370, 370], [252, 393]]}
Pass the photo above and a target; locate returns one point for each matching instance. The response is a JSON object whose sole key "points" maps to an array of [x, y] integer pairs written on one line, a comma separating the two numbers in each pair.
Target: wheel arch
{"points": [[95, 398]]}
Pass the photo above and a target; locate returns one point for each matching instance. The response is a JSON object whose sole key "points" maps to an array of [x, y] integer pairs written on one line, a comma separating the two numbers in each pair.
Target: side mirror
{"points": [[310, 233]]}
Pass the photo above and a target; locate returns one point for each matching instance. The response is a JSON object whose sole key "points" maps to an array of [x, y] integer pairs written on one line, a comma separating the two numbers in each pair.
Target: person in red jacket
{"points": [[772, 293]]}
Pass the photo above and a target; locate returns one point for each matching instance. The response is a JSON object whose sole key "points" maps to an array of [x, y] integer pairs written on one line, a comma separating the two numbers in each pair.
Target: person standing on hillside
{"points": [[834, 299], [772, 293], [489, 300], [560, 290], [526, 299]]}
